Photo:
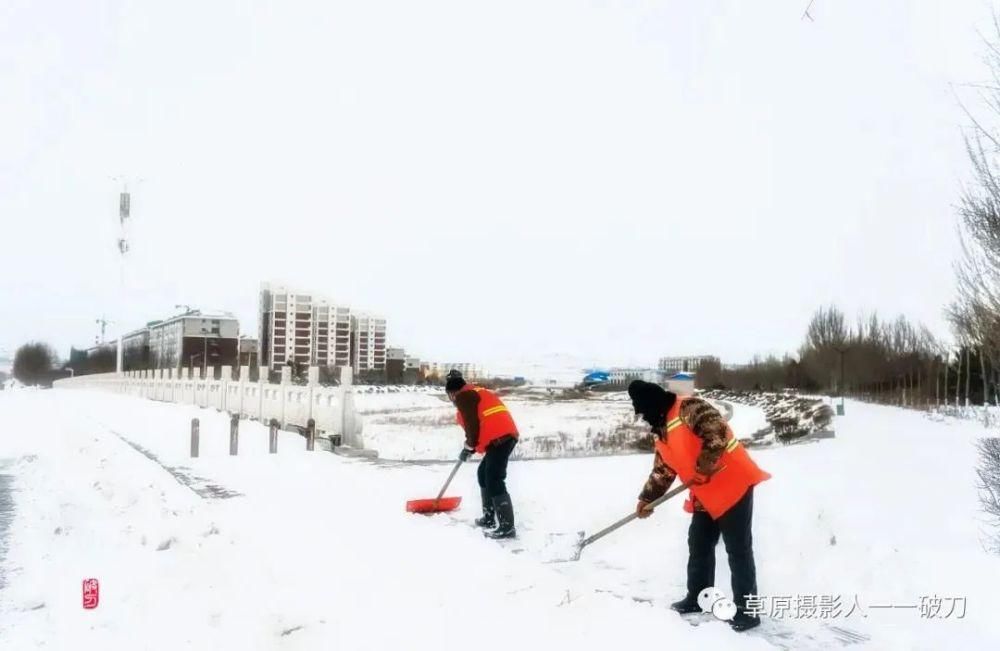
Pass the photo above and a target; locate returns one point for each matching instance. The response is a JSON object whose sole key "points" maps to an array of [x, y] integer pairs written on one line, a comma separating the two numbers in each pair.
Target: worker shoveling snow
{"points": [[174, 564]]}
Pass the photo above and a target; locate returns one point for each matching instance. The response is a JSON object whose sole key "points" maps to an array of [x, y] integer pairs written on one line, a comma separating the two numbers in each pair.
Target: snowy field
{"points": [[420, 425], [315, 551]]}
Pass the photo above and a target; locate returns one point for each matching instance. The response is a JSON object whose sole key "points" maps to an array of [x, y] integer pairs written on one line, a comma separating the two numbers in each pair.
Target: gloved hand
{"points": [[466, 453], [641, 511]]}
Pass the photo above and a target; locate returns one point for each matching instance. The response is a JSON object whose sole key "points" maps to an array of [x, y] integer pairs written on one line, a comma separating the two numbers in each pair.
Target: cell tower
{"points": [[104, 324]]}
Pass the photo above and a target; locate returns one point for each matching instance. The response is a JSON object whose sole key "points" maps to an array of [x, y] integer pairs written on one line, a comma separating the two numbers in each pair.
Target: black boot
{"points": [[505, 513], [489, 519], [744, 622], [687, 605]]}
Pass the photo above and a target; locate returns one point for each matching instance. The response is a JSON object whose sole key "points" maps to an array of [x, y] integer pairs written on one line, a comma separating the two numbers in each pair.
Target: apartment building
{"points": [[194, 339], [368, 350], [286, 326], [310, 330], [331, 334]]}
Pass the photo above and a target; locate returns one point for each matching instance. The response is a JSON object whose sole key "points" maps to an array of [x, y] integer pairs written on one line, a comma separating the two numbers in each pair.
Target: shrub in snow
{"points": [[33, 363], [989, 416]]}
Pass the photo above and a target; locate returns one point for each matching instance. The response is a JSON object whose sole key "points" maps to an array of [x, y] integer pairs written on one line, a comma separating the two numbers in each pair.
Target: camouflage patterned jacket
{"points": [[709, 425]]}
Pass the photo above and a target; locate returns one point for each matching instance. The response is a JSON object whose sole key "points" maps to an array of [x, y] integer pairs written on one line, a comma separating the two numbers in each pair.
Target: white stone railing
{"points": [[331, 408]]}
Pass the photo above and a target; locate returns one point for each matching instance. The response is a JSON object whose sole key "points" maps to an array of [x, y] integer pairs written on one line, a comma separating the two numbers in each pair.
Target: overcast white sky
{"points": [[612, 180]]}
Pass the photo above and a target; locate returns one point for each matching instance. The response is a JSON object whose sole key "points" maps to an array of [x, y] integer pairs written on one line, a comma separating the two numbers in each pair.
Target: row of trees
{"points": [[892, 361], [898, 361]]}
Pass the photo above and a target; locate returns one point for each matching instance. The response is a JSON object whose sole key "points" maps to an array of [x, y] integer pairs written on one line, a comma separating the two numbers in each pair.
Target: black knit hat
{"points": [[651, 401], [454, 381]]}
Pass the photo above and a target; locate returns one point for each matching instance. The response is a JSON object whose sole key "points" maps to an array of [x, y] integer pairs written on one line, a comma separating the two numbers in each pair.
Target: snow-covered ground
{"points": [[315, 551]]}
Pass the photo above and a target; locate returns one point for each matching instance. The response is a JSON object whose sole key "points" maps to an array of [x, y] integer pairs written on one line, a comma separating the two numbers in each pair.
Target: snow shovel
{"points": [[439, 504], [565, 547]]}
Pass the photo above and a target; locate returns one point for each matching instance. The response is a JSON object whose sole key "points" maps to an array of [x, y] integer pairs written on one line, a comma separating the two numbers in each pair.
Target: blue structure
{"points": [[595, 378]]}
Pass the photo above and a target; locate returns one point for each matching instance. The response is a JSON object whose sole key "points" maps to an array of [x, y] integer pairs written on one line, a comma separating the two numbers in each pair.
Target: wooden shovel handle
{"points": [[450, 477], [632, 516], [649, 507]]}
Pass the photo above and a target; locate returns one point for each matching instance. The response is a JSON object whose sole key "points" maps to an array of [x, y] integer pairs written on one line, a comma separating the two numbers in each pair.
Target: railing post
{"points": [[311, 435], [273, 437], [234, 434], [194, 437]]}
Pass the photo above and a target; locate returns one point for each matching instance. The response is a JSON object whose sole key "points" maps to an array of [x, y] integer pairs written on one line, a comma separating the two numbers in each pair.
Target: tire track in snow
{"points": [[201, 487]]}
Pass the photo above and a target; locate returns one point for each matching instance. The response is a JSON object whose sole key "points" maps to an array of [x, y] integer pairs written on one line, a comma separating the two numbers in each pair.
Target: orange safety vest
{"points": [[494, 418], [735, 471]]}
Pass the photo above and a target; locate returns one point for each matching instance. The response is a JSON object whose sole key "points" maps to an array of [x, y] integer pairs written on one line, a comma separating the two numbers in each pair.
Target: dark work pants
{"points": [[493, 468], [703, 535]]}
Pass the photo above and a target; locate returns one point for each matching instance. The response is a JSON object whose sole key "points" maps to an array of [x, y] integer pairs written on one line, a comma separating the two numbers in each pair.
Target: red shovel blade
{"points": [[433, 506]]}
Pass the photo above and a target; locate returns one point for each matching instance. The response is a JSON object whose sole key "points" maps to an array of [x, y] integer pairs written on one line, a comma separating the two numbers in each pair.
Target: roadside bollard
{"points": [[311, 434], [194, 437], [274, 436], [234, 434]]}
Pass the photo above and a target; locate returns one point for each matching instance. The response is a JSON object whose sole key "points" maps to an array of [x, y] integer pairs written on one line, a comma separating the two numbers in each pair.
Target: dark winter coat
{"points": [[467, 403]]}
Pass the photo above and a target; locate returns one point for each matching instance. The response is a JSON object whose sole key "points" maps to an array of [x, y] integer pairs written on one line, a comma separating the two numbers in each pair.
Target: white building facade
{"points": [[623, 376], [441, 369], [332, 334], [286, 332], [689, 364], [368, 352], [303, 328]]}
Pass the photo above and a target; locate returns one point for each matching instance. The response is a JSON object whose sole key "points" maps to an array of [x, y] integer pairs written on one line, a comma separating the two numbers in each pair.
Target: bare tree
{"points": [[975, 313], [989, 483]]}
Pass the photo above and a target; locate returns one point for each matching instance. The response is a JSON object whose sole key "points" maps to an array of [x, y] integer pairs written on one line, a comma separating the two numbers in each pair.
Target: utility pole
{"points": [[841, 350]]}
